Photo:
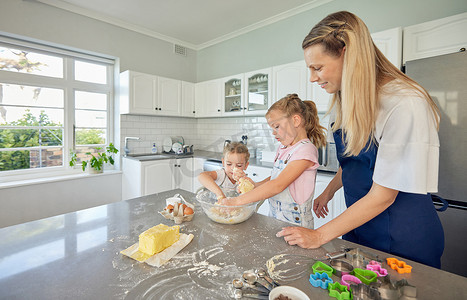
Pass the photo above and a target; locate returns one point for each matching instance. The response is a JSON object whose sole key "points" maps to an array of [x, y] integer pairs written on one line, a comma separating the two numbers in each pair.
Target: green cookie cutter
{"points": [[339, 291], [366, 276], [320, 267]]}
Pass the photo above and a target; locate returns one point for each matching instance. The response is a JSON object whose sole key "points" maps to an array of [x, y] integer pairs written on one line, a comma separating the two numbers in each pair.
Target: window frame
{"points": [[69, 85]]}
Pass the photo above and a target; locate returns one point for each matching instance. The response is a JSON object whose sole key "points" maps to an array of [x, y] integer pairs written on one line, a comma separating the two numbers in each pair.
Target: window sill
{"points": [[11, 183]]}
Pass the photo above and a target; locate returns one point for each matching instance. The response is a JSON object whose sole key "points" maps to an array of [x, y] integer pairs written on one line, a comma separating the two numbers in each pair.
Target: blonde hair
{"points": [[237, 147], [293, 105], [365, 71]]}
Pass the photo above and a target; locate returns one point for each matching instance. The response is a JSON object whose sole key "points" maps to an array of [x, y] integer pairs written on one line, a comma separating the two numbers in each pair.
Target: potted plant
{"points": [[97, 160]]}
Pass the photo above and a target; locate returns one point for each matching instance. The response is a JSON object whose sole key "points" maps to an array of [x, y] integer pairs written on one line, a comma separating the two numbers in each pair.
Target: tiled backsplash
{"points": [[204, 134]]}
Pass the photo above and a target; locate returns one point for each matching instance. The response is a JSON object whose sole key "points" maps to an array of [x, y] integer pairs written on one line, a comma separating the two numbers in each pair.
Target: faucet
{"points": [[127, 151]]}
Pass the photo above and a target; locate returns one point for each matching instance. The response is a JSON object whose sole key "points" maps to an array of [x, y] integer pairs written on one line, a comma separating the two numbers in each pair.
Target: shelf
{"points": [[233, 96]]}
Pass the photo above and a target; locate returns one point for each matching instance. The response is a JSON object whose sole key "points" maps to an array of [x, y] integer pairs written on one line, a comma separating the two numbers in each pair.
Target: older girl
{"points": [[290, 188], [385, 131]]}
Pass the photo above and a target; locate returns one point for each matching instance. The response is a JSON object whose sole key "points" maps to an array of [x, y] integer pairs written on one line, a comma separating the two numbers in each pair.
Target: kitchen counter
{"points": [[76, 256]]}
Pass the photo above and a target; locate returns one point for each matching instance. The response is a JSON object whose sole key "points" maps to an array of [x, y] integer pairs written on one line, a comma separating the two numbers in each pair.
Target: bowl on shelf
{"points": [[224, 214]]}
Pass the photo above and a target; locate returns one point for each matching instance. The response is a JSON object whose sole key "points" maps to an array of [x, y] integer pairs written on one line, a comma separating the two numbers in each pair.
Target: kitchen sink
{"points": [[142, 157]]}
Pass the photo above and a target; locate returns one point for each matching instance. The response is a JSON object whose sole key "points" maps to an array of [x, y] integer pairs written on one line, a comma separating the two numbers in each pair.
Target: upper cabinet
{"points": [[290, 79], [258, 91], [208, 98], [438, 37], [145, 94], [233, 94], [389, 42], [188, 99], [138, 93]]}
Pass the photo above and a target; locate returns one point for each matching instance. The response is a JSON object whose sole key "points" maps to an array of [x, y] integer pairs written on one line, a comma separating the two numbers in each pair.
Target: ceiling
{"points": [[195, 24]]}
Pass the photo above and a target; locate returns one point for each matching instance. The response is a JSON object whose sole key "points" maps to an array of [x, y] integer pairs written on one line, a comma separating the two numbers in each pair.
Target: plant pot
{"points": [[94, 171]]}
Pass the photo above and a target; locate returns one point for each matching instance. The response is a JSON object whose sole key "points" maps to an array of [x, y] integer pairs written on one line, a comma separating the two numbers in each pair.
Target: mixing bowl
{"points": [[223, 213]]}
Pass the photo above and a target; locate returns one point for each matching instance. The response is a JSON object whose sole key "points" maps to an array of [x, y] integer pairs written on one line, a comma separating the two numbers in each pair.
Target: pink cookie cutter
{"points": [[376, 267], [347, 280]]}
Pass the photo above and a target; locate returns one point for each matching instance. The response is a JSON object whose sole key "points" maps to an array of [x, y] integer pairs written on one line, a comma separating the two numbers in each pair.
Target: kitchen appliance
{"points": [[327, 158], [444, 77]]}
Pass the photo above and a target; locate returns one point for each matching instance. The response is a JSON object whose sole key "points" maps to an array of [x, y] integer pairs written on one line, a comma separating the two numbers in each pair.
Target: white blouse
{"points": [[408, 143], [408, 152]]}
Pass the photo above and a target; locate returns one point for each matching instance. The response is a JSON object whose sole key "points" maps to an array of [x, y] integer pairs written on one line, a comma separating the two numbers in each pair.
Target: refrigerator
{"points": [[445, 79]]}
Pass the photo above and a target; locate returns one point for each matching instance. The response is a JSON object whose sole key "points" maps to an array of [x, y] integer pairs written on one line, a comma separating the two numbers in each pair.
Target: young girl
{"points": [[235, 160], [290, 189]]}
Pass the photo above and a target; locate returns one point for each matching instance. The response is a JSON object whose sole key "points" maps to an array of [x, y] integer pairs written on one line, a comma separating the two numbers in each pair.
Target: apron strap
{"points": [[443, 201]]}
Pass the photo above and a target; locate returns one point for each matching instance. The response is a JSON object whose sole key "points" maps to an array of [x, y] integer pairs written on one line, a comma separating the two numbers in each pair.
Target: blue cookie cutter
{"points": [[321, 280]]}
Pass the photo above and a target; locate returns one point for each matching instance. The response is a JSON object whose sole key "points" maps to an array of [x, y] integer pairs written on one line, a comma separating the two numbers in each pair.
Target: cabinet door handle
{"points": [[254, 174], [219, 110], [160, 108]]}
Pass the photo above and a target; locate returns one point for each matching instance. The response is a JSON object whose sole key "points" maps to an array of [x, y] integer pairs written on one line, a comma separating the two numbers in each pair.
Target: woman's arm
{"points": [[378, 199], [320, 203], [207, 179], [269, 188]]}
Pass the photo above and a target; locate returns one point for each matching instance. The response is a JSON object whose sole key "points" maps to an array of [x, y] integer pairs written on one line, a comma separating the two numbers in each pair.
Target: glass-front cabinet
{"points": [[258, 91], [234, 103]]}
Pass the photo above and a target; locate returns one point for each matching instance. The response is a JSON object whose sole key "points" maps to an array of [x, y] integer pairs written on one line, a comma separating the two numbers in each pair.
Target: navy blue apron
{"points": [[410, 227]]}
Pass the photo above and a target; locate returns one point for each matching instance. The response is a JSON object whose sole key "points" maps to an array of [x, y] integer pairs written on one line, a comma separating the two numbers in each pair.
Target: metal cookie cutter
{"points": [[376, 267], [365, 292], [339, 291], [321, 280], [360, 258], [320, 267], [395, 290], [398, 265], [340, 267]]}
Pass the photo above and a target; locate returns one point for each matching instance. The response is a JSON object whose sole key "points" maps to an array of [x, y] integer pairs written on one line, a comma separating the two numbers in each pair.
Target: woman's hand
{"points": [[302, 237], [320, 205]]}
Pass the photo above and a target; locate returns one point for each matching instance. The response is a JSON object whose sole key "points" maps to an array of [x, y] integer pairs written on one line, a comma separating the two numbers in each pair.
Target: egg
{"points": [[170, 207], [188, 211]]}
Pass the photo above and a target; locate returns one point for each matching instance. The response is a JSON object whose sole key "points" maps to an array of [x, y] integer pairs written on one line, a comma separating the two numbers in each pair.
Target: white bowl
{"points": [[288, 291]]}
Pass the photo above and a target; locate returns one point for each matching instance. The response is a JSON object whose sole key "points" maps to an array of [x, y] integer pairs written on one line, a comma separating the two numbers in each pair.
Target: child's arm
{"points": [[320, 203], [272, 187], [207, 179]]}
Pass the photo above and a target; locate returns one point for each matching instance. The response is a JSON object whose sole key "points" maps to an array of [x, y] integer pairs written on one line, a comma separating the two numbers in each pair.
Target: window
{"points": [[51, 101]]}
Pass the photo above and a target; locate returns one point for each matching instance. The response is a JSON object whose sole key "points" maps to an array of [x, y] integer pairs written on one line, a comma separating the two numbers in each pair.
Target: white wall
{"points": [[36, 201]]}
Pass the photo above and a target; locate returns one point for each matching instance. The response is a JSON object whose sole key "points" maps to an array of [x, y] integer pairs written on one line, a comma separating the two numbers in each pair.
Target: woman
{"points": [[385, 129]]}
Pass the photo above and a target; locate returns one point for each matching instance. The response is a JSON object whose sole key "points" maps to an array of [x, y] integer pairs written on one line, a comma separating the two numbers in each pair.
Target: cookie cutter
{"points": [[366, 276], [364, 292], [321, 280], [341, 267], [339, 291], [348, 280], [359, 258], [320, 267], [390, 290], [398, 265], [377, 268]]}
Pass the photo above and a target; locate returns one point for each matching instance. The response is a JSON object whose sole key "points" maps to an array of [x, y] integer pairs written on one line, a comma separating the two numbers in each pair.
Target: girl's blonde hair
{"points": [[237, 147], [365, 71], [293, 105]]}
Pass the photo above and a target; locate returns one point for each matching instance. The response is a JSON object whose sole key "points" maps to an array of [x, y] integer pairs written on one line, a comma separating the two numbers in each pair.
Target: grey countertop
{"points": [[76, 256]]}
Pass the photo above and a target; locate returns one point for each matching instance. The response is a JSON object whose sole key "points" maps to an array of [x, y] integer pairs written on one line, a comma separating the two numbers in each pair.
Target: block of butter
{"points": [[157, 238]]}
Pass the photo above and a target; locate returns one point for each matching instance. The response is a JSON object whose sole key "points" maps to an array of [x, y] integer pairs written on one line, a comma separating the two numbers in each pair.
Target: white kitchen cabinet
{"points": [[258, 92], [389, 42], [259, 174], [188, 99], [289, 79], [437, 37], [169, 97], [198, 164], [141, 178], [138, 93], [233, 95], [208, 98], [336, 206]]}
